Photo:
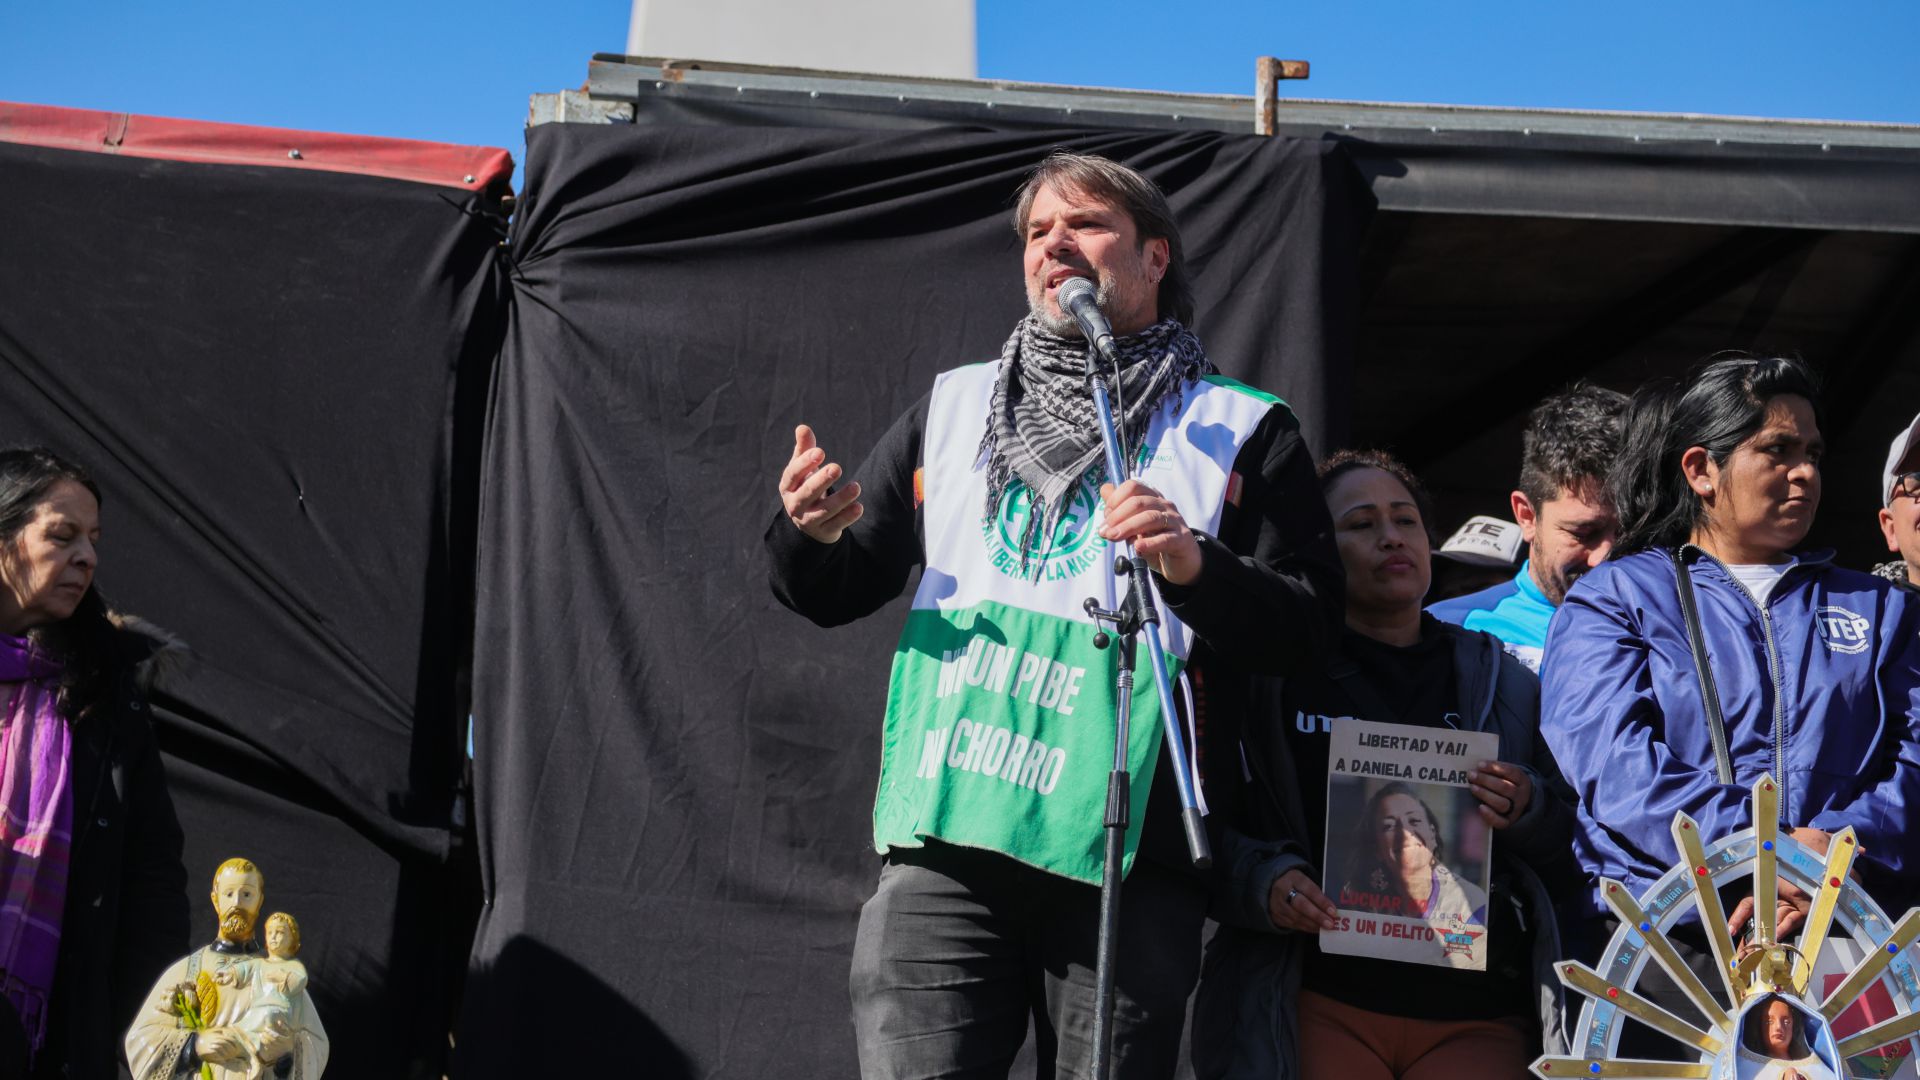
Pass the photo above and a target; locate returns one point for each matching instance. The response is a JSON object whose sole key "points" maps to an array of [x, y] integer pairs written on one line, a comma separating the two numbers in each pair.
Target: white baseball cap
{"points": [[1485, 541], [1904, 444]]}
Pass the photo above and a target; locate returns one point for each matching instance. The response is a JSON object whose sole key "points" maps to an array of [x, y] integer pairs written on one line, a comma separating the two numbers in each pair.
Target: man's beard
{"points": [[1063, 324], [1559, 582], [237, 926]]}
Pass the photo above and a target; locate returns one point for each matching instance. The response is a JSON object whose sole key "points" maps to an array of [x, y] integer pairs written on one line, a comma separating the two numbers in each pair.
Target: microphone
{"points": [[1076, 297]]}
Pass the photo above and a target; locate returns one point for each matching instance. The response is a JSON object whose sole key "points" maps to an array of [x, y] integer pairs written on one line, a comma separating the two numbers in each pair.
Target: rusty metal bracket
{"points": [[1267, 73]]}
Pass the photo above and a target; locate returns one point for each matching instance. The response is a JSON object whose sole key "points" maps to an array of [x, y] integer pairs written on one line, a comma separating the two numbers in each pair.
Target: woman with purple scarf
{"points": [[92, 889]]}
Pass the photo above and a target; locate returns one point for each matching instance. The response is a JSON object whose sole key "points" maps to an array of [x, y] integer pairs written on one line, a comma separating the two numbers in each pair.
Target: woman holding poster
{"points": [[1402, 776]]}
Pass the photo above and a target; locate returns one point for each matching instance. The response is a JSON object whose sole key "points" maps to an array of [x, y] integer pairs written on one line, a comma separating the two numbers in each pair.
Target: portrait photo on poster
{"points": [[1408, 859]]}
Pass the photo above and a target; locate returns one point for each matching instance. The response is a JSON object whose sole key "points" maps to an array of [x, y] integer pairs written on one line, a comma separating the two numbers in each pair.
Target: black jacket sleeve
{"points": [[833, 584], [154, 918], [1542, 835], [1271, 588], [155, 922]]}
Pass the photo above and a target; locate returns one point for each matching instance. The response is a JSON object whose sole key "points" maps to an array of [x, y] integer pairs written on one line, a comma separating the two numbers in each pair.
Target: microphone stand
{"points": [[1138, 611]]}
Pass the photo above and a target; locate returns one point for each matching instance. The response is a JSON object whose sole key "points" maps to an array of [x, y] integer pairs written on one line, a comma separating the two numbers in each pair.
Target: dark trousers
{"points": [[958, 949]]}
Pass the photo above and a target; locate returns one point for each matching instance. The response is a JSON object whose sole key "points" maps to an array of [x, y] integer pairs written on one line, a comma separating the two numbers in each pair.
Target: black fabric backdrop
{"points": [[675, 775], [1425, 159], [1506, 262], [280, 378], [261, 366]]}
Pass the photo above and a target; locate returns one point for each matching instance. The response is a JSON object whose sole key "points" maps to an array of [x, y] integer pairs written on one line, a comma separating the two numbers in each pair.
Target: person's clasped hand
{"points": [[219, 1046], [1504, 790], [1139, 515], [1296, 903], [1791, 901], [276, 1043]]}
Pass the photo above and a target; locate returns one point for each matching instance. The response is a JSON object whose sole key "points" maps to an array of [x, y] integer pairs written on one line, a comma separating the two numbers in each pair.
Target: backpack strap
{"points": [[1702, 668]]}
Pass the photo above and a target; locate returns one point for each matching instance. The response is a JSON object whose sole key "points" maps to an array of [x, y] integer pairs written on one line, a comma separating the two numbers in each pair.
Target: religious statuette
{"points": [[228, 1011], [1840, 1000]]}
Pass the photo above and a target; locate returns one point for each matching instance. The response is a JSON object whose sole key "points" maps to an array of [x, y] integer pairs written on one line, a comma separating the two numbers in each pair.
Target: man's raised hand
{"points": [[805, 491]]}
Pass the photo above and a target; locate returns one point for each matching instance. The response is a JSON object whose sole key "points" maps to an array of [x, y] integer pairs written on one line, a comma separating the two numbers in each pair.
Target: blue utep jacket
{"points": [[1515, 611], [1821, 690]]}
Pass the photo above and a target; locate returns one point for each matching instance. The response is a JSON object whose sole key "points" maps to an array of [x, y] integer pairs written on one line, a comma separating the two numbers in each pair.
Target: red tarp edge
{"points": [[444, 164]]}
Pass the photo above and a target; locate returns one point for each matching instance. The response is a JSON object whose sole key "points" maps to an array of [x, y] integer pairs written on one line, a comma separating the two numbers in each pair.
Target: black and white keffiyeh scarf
{"points": [[1043, 428]]}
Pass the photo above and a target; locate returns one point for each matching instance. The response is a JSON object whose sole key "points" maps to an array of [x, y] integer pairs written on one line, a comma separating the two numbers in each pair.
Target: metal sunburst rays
{"points": [[1750, 973]]}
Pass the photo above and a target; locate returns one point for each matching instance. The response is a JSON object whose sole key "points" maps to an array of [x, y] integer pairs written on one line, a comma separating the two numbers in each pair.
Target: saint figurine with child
{"points": [[228, 1011]]}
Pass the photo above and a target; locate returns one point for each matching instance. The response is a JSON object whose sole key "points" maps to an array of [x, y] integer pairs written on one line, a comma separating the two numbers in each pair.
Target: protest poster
{"points": [[1408, 858]]}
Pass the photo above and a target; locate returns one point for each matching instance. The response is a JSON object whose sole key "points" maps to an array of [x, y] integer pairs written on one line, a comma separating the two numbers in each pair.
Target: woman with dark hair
{"points": [[1272, 1005], [1710, 652], [92, 890], [1396, 862]]}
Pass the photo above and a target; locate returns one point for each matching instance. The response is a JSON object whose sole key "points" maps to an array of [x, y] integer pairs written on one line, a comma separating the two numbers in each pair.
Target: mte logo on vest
{"points": [[1076, 544], [999, 725], [1843, 630]]}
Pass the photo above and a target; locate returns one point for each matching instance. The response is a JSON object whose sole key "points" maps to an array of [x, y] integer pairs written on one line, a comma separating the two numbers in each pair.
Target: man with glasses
{"points": [[1900, 512]]}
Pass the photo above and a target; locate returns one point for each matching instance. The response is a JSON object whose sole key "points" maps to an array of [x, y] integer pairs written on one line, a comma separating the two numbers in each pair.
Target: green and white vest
{"points": [[1000, 721]]}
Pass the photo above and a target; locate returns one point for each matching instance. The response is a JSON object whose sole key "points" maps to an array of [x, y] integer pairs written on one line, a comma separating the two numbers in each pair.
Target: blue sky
{"points": [[1835, 61], [462, 72]]}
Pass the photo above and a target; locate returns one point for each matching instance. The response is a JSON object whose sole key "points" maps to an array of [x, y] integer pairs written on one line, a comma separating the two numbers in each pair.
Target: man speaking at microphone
{"points": [[999, 729]]}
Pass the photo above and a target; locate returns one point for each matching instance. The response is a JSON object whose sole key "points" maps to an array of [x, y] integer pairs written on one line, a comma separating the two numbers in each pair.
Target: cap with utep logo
{"points": [[1484, 541]]}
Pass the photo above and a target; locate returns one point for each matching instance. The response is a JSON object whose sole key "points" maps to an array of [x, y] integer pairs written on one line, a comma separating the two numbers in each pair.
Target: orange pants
{"points": [[1340, 1042]]}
